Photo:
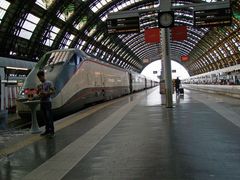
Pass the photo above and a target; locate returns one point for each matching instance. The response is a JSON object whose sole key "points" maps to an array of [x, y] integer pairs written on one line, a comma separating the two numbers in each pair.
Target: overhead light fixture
{"points": [[8, 81], [17, 68]]}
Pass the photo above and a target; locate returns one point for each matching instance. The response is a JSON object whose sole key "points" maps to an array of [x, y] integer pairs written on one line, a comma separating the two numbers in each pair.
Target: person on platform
{"points": [[177, 85], [45, 90]]}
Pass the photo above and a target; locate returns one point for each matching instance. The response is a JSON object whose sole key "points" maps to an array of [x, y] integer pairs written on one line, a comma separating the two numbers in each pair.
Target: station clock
{"points": [[166, 19]]}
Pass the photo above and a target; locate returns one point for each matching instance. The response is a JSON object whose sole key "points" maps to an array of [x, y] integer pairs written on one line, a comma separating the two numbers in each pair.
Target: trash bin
{"points": [[3, 119]]}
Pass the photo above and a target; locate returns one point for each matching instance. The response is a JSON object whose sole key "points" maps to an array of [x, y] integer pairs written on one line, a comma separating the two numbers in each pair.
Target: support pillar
{"points": [[165, 5], [167, 65]]}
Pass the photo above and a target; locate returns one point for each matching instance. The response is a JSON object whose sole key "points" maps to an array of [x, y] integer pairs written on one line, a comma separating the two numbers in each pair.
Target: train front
{"points": [[53, 64]]}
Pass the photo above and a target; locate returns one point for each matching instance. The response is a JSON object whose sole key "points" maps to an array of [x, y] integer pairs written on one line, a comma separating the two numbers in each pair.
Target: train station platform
{"points": [[135, 138]]}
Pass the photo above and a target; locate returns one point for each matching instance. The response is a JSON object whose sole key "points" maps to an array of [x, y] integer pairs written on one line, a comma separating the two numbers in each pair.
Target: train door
{"points": [[130, 82], [98, 78], [103, 83], [145, 79]]}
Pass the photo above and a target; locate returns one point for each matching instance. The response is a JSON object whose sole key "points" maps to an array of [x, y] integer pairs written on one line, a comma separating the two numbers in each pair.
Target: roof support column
{"points": [[165, 5]]}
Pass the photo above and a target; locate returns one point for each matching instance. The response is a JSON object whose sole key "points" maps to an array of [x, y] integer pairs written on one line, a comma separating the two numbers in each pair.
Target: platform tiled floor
{"points": [[138, 138]]}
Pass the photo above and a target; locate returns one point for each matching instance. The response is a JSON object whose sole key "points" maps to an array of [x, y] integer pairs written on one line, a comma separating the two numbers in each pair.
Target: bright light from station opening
{"points": [[177, 70]]}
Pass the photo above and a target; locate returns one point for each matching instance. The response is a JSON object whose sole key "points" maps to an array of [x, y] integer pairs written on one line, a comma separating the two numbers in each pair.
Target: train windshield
{"points": [[59, 57], [58, 66]]}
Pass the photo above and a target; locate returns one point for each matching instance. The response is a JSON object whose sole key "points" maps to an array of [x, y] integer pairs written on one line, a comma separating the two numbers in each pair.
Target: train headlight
{"points": [[26, 91]]}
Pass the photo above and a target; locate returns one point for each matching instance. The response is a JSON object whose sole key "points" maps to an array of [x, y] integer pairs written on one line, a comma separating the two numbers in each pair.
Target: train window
{"points": [[52, 58], [65, 56], [73, 60], [56, 57], [78, 60], [59, 57], [68, 56]]}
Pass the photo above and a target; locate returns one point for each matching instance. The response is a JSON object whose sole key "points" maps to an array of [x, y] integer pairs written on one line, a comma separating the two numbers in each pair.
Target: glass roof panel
{"points": [[99, 5], [3, 8], [92, 31], [81, 23], [25, 34], [70, 40], [44, 4], [103, 2], [103, 17], [66, 14], [51, 35], [4, 4], [29, 26]]}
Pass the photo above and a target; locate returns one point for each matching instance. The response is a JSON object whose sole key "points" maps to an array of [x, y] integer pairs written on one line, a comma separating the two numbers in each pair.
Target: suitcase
{"points": [[181, 91]]}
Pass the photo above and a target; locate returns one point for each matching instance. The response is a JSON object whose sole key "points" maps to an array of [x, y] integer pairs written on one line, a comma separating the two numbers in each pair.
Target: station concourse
{"points": [[136, 137]]}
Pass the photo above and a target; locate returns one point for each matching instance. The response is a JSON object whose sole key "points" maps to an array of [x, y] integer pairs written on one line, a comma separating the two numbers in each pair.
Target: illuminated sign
{"points": [[179, 33], [146, 61], [213, 17], [184, 58], [152, 35], [123, 25]]}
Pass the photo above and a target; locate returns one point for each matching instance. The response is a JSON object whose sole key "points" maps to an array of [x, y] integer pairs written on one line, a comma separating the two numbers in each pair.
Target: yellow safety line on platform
{"points": [[60, 124]]}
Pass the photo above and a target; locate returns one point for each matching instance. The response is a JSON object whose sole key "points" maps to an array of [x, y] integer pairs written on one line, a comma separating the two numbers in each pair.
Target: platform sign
{"points": [[123, 25], [184, 58], [146, 61], [152, 35], [179, 33], [213, 17]]}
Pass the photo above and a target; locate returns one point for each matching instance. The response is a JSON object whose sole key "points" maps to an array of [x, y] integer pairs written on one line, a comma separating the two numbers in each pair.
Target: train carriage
{"points": [[79, 80]]}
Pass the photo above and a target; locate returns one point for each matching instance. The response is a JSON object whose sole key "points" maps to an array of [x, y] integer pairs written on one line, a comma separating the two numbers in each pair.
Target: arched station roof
{"points": [[29, 28]]}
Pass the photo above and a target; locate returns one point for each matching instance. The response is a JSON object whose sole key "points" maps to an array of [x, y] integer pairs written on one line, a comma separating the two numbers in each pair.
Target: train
{"points": [[226, 76], [79, 80], [224, 81]]}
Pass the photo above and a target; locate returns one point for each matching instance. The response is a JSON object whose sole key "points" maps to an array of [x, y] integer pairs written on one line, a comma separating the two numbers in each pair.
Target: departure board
{"points": [[123, 25], [213, 17]]}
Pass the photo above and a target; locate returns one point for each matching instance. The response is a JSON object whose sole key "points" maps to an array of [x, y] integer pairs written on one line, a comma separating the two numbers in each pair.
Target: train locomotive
{"points": [[79, 80]]}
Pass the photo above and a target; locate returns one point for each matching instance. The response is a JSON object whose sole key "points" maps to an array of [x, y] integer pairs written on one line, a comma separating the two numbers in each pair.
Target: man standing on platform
{"points": [[177, 85], [45, 90]]}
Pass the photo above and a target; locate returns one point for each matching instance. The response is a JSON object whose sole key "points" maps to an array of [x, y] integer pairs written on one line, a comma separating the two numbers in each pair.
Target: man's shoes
{"points": [[51, 134], [48, 134], [44, 134]]}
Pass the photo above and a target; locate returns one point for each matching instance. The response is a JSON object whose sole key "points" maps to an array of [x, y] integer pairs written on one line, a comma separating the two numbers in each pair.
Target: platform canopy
{"points": [[28, 29]]}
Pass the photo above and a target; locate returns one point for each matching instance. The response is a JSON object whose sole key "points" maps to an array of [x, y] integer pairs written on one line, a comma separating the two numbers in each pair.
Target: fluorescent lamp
{"points": [[17, 68]]}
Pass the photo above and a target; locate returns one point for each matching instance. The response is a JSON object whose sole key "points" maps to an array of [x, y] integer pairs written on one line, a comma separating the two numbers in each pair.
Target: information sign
{"points": [[123, 25], [184, 58], [213, 17]]}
